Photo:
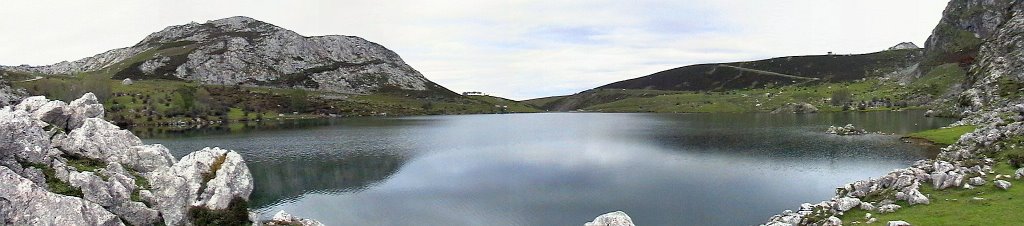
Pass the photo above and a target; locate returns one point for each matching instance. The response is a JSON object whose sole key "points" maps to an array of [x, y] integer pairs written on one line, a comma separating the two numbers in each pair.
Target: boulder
{"points": [[1002, 184], [897, 223], [208, 178], [866, 206], [282, 218], [98, 139], [976, 181], [846, 203], [1018, 174], [617, 218], [888, 208], [83, 108], [847, 130]]}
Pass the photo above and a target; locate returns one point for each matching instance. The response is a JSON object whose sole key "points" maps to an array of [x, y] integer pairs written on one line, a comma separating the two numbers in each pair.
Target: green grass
{"points": [[513, 106], [53, 184], [956, 207], [749, 100], [944, 136]]}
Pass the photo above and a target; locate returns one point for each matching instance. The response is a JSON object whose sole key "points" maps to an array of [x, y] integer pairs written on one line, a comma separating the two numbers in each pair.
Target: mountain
{"points": [[895, 65], [245, 51], [773, 72]]}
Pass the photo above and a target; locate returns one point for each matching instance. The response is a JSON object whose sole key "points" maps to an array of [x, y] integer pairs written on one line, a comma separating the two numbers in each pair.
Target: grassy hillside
{"points": [[160, 102], [750, 87], [944, 136], [773, 72], [502, 105]]}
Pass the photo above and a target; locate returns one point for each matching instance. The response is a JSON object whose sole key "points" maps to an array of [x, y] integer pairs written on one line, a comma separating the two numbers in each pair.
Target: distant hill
{"points": [[721, 77], [773, 72]]}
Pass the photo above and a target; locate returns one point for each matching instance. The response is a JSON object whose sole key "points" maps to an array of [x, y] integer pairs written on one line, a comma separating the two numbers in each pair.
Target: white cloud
{"points": [[516, 49]]}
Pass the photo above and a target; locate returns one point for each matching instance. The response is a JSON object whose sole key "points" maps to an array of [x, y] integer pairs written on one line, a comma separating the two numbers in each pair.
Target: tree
{"points": [[97, 85], [186, 100], [298, 100], [841, 97]]}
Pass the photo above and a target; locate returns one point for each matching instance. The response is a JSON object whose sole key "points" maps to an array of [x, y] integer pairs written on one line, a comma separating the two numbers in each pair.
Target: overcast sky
{"points": [[514, 49]]}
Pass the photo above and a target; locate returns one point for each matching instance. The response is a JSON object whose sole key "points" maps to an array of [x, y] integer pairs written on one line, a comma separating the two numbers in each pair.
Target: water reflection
{"points": [[284, 181], [563, 169]]}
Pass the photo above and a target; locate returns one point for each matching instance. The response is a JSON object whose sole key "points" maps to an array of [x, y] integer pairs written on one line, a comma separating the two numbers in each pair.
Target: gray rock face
{"points": [[245, 51], [26, 203], [9, 95], [617, 218], [98, 139], [182, 185], [114, 160]]}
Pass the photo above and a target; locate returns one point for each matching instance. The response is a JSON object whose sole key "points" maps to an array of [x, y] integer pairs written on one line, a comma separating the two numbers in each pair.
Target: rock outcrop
{"points": [[284, 219], [904, 45], [62, 164], [245, 51], [796, 108], [617, 218], [9, 95], [847, 130]]}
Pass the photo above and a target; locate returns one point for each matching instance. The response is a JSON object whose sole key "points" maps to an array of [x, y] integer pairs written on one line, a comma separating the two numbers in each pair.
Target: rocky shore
{"points": [[62, 164], [961, 165]]}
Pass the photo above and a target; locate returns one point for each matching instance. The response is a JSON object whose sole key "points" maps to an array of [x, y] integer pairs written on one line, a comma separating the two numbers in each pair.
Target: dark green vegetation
{"points": [[773, 72], [944, 136], [831, 83], [160, 102], [52, 183], [237, 213]]}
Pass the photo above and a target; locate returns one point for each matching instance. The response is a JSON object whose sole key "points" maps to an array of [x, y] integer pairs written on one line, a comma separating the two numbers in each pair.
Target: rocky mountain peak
{"points": [[245, 51], [904, 45]]}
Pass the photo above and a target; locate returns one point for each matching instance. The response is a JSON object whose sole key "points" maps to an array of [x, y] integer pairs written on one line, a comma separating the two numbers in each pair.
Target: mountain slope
{"points": [[772, 72], [895, 64], [245, 51]]}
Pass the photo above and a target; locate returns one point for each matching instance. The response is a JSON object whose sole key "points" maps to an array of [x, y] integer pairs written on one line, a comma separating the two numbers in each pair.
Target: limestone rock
{"points": [[282, 218], [796, 108], [185, 184], [29, 204], [846, 203], [245, 51], [1018, 174], [904, 45], [897, 223], [888, 208], [847, 130], [1002, 184], [976, 181], [98, 139], [617, 218]]}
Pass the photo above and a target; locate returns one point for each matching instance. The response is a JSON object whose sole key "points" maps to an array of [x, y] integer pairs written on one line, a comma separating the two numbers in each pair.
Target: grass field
{"points": [[943, 136], [957, 206]]}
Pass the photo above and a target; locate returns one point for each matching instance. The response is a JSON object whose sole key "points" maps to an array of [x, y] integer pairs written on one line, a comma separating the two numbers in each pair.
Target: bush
{"points": [[1015, 156], [237, 213]]}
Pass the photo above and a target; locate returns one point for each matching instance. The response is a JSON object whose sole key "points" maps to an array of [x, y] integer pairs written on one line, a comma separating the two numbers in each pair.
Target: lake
{"points": [[560, 168]]}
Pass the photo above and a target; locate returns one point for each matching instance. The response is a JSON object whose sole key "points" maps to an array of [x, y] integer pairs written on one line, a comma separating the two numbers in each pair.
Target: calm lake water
{"points": [[560, 169]]}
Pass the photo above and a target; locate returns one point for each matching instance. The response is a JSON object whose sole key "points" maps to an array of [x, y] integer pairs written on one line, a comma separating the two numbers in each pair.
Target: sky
{"points": [[514, 49]]}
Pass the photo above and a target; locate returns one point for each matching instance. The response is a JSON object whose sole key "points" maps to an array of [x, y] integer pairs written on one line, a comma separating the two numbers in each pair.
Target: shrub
{"points": [[1015, 156], [237, 213]]}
